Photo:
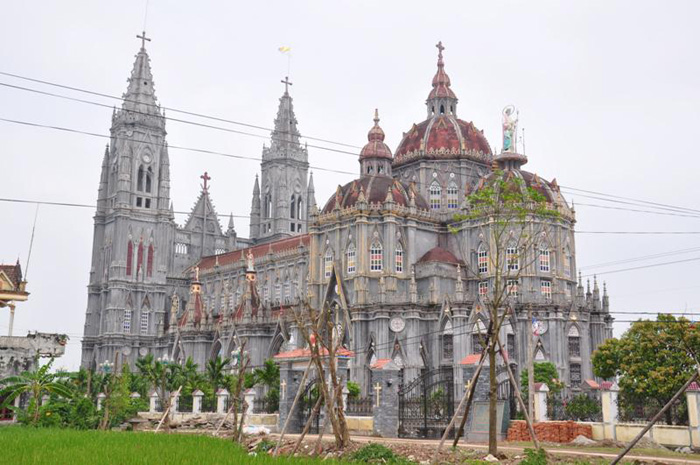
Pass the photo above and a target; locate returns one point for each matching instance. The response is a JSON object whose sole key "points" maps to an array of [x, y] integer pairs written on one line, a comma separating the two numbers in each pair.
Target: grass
{"points": [[661, 453], [24, 445]]}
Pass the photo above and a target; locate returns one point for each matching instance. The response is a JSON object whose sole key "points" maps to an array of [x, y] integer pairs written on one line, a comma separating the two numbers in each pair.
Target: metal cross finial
{"points": [[206, 178], [440, 48], [143, 39], [286, 84]]}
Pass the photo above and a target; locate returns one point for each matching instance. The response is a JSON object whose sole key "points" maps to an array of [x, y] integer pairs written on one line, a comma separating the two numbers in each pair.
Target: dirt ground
{"points": [[422, 453]]}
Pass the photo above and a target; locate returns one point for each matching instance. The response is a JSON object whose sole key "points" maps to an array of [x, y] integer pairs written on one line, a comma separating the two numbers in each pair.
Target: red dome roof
{"points": [[374, 189], [438, 254], [443, 136], [375, 148]]}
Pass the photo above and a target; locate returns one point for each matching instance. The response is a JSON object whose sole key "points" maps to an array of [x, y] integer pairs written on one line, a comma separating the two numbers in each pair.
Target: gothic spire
{"points": [[285, 132], [140, 94]]}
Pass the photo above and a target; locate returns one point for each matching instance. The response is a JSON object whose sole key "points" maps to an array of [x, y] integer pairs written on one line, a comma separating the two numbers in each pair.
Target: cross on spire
{"points": [[143, 39], [440, 48], [286, 83], [206, 178]]}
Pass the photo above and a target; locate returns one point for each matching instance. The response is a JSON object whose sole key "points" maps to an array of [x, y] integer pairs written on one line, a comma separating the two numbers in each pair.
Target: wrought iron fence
{"points": [[643, 410], [265, 406], [578, 407], [359, 407]]}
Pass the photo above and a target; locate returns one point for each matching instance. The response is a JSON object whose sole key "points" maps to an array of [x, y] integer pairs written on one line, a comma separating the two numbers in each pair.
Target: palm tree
{"points": [[37, 383], [216, 369]]}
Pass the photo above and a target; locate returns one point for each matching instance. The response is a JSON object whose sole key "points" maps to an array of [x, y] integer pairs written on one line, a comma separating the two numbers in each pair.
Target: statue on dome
{"points": [[510, 126]]}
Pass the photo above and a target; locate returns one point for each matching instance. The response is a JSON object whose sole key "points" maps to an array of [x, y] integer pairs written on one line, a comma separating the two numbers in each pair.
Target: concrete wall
{"points": [[667, 435]]}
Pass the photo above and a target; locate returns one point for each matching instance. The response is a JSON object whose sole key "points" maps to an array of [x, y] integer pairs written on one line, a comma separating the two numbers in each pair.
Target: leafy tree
{"points": [[36, 383], [216, 371], [510, 217], [354, 390], [545, 372], [652, 360]]}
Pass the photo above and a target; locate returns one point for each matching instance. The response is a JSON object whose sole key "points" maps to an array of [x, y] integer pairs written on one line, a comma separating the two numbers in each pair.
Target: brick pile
{"points": [[550, 431]]}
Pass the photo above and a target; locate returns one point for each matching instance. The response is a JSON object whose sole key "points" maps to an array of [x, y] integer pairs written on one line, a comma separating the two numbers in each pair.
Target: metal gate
{"points": [[426, 404], [307, 401]]}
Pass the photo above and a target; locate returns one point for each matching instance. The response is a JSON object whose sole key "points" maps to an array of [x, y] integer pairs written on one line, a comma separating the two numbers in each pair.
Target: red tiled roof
{"points": [[471, 359], [693, 387], [306, 353], [379, 364], [606, 385], [375, 189], [375, 147], [592, 384], [438, 254], [442, 134], [258, 251]]}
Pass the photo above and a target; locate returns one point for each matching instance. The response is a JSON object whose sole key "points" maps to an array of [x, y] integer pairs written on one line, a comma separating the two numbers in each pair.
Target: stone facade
{"points": [[411, 289]]}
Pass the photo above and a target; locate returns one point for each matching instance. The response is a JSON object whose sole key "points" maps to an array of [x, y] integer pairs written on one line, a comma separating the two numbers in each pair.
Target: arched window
{"points": [[299, 215], [435, 196], [144, 320], [452, 195], [375, 256], [139, 258], [575, 375], [149, 177], [149, 261], [129, 257], [328, 264], [398, 258], [544, 259], [351, 259], [126, 323], [574, 342], [287, 292], [268, 205], [512, 259], [293, 207], [482, 259], [266, 293], [478, 337], [139, 179], [447, 342], [278, 291]]}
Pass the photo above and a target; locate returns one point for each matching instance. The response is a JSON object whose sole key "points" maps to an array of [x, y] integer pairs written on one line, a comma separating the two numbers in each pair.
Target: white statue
{"points": [[251, 261], [510, 125]]}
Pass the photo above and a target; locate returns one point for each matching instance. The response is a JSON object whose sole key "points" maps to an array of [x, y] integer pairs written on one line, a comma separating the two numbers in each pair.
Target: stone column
{"points": [[385, 396], [153, 402], [197, 401], [17, 403], [290, 379], [221, 397], [608, 398], [249, 400], [345, 397], [541, 391], [100, 399], [693, 396], [476, 428]]}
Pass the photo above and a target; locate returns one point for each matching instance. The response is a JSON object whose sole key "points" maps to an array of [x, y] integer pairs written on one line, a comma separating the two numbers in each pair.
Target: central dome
{"points": [[374, 189], [442, 135]]}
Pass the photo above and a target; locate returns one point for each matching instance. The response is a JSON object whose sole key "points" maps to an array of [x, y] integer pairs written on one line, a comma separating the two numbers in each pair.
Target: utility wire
{"points": [[175, 110], [640, 258]]}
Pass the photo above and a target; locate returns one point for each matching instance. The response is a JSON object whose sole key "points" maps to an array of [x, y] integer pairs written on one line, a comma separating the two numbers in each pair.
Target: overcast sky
{"points": [[608, 93]]}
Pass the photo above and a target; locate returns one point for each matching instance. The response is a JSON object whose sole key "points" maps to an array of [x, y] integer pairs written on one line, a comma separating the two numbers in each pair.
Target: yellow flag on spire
{"points": [[285, 49]]}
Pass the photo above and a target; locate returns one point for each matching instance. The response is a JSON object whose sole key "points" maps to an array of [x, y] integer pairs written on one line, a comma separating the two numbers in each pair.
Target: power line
{"points": [[175, 110], [638, 232], [189, 149], [642, 267], [640, 258], [634, 200], [608, 207]]}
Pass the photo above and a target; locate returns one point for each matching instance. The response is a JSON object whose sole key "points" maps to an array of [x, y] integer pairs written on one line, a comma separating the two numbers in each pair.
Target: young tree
{"points": [[652, 359], [36, 383], [511, 217], [163, 375]]}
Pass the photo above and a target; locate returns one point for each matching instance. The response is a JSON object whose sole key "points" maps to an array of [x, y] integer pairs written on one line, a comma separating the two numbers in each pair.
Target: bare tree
{"points": [[511, 218]]}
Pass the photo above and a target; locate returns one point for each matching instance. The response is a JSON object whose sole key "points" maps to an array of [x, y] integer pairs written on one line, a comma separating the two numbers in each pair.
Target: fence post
{"points": [[100, 398], [693, 396], [385, 394], [541, 391], [249, 399], [197, 401], [221, 397], [153, 402], [608, 398], [176, 402], [346, 391]]}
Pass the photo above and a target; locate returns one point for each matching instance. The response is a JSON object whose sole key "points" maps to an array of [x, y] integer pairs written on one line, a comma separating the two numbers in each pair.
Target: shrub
{"points": [[264, 446], [582, 408], [377, 453], [353, 390], [535, 457]]}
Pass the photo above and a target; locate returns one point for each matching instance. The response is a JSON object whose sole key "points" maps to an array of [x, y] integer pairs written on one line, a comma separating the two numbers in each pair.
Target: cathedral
{"points": [[411, 285]]}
